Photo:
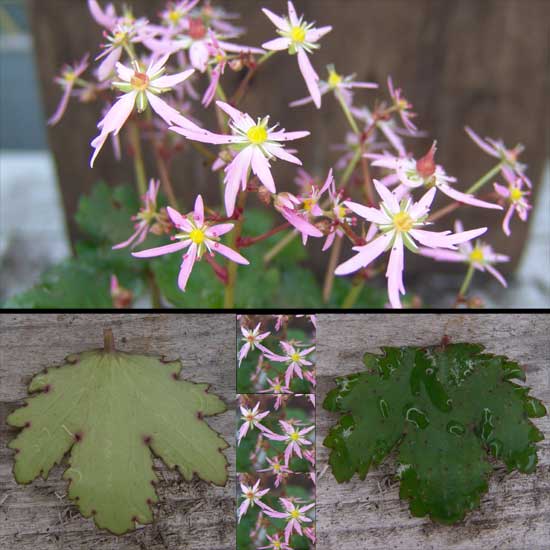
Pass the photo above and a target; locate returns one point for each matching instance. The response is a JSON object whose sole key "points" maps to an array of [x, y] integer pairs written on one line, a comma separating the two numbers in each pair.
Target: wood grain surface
{"points": [[481, 63], [368, 515], [190, 515]]}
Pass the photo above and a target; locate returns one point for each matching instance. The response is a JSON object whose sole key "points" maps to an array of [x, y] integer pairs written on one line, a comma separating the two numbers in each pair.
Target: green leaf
{"points": [[445, 409], [104, 215], [113, 412]]}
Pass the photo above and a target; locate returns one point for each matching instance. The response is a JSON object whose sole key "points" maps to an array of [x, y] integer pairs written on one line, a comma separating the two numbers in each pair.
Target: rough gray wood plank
{"points": [[190, 515], [368, 514]]}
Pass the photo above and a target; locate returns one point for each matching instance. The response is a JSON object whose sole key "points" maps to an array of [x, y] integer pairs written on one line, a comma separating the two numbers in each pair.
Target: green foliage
{"points": [[84, 281], [113, 412], [444, 409]]}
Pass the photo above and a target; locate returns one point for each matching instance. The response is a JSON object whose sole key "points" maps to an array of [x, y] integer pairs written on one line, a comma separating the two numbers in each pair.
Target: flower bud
{"points": [[426, 166]]}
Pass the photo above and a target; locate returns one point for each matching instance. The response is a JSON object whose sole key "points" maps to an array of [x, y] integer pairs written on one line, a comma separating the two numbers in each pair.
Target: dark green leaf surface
{"points": [[444, 409]]}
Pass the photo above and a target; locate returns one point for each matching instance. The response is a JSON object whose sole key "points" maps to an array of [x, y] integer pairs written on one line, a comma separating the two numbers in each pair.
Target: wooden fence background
{"points": [[189, 515], [369, 514], [481, 63]]}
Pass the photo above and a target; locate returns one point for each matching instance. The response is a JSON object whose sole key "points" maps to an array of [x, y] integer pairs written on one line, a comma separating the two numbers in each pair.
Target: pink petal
{"points": [[316, 34], [278, 21], [62, 107], [481, 143], [506, 221], [198, 214], [365, 255], [260, 166], [204, 136], [388, 197], [105, 19], [233, 113], [422, 207], [442, 255], [178, 220], [465, 198], [161, 250], [236, 174], [497, 275], [107, 66], [198, 55], [279, 152], [142, 226], [292, 14], [169, 81], [370, 214], [277, 44], [310, 76], [219, 230], [394, 273], [300, 223], [187, 266], [230, 253], [281, 135]]}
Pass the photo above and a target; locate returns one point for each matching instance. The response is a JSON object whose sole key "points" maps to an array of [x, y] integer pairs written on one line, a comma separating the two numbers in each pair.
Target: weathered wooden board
{"points": [[368, 514], [472, 62], [190, 515]]}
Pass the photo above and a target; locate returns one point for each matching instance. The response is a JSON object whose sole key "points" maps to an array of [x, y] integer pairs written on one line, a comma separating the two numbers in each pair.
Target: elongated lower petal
{"points": [[394, 273], [187, 266], [310, 76], [465, 198], [230, 254]]}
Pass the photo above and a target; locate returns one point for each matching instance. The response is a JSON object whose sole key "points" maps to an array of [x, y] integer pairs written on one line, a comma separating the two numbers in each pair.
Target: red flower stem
{"points": [[243, 242], [219, 271]]}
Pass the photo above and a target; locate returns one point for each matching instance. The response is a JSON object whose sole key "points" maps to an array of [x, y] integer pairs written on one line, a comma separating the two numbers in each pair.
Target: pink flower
{"points": [[275, 543], [276, 386], [257, 145], [140, 89], [252, 496], [67, 80], [277, 469], [508, 157], [293, 437], [174, 14], [295, 358], [198, 236], [294, 515], [252, 339], [288, 206], [251, 419], [402, 106], [300, 38], [515, 196], [481, 256], [338, 84], [122, 31], [424, 172], [399, 226], [145, 217]]}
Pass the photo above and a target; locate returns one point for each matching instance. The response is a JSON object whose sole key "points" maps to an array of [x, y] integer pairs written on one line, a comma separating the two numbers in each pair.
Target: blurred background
{"points": [[481, 63]]}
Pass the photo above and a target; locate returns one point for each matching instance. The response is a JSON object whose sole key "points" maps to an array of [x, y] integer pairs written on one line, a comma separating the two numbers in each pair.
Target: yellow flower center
{"points": [[334, 79], [308, 204], [249, 417], [276, 545], [341, 211], [297, 34], [257, 134], [277, 387], [403, 222], [476, 255], [295, 356], [276, 467], [119, 37], [197, 236], [295, 436], [69, 76], [140, 81], [515, 194], [295, 514], [174, 16]]}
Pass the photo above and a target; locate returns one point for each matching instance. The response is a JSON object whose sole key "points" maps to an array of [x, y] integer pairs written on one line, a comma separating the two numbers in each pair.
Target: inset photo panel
{"points": [[276, 353], [276, 472]]}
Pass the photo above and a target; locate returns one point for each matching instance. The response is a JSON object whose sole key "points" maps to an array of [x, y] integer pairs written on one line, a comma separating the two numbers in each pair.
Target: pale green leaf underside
{"points": [[113, 411]]}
